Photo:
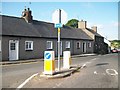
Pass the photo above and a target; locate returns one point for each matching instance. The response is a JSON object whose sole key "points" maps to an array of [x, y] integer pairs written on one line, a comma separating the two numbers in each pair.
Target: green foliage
{"points": [[115, 43], [72, 23]]}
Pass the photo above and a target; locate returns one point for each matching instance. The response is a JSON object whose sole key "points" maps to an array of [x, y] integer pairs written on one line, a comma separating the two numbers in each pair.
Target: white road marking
{"points": [[83, 66], [58, 84], [94, 59], [88, 62], [27, 80], [95, 72], [115, 72], [54, 87]]}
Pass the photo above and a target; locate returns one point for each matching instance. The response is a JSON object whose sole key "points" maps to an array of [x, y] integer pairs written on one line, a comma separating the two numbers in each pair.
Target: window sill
{"points": [[28, 50], [49, 49], [67, 48]]}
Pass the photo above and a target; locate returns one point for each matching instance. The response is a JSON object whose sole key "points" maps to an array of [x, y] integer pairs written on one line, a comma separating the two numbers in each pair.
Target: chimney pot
{"points": [[27, 15], [28, 9]]}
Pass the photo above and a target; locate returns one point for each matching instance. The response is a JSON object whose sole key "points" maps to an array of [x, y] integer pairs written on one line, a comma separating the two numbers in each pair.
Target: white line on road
{"points": [[94, 59], [108, 72], [88, 62], [83, 66], [27, 80], [58, 84], [95, 72]]}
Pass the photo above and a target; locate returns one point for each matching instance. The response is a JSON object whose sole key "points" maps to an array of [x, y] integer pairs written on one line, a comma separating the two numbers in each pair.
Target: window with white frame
{"points": [[67, 44], [49, 45], [78, 45], [28, 45], [0, 45], [89, 44]]}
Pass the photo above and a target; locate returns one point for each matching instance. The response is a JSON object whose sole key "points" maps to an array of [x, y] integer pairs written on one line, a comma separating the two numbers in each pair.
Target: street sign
{"points": [[55, 17], [59, 17], [59, 25], [47, 56]]}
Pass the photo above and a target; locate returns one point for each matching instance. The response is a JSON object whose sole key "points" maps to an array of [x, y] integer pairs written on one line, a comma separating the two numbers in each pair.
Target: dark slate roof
{"points": [[95, 33], [19, 27]]}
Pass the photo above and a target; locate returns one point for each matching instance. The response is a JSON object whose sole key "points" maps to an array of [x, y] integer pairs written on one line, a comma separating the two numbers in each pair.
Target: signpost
{"points": [[59, 63], [59, 17]]}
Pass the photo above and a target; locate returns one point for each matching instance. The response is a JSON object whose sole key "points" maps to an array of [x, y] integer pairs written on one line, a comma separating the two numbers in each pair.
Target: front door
{"points": [[13, 49], [84, 47]]}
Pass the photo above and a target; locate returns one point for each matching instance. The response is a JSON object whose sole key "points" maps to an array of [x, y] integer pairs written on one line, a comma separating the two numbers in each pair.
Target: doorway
{"points": [[84, 47], [13, 49]]}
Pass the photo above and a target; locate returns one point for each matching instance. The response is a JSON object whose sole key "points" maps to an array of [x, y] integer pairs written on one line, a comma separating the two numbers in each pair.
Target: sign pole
{"points": [[59, 41], [58, 49]]}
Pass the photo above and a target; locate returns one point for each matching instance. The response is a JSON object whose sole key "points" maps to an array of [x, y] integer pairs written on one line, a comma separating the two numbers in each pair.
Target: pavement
{"points": [[37, 60]]}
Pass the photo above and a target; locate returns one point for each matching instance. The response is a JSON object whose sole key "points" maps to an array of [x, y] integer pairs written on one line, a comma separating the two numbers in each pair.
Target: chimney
{"points": [[82, 24], [27, 15], [94, 28]]}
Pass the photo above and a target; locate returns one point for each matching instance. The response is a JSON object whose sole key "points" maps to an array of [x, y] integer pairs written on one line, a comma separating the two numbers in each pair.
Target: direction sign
{"points": [[59, 25], [47, 55]]}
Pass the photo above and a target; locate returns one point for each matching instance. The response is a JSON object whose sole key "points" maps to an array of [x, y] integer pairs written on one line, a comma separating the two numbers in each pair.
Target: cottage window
{"points": [[78, 45], [49, 45], [28, 45], [89, 44], [67, 44], [12, 46]]}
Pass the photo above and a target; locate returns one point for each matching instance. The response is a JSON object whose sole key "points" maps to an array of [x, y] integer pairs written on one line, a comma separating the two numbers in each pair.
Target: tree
{"points": [[72, 23], [115, 43]]}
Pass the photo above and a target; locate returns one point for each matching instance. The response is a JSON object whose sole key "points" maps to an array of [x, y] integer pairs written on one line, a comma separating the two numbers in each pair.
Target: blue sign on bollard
{"points": [[47, 55]]}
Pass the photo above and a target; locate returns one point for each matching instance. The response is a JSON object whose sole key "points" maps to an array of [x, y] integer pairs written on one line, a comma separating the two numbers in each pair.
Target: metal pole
{"points": [[59, 42], [58, 49], [59, 15]]}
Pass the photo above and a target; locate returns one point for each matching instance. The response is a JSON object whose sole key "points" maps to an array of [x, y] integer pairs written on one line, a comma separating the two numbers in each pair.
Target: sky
{"points": [[102, 14]]}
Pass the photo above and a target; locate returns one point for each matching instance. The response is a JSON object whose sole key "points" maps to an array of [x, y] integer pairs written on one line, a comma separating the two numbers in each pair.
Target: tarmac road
{"points": [[100, 72]]}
